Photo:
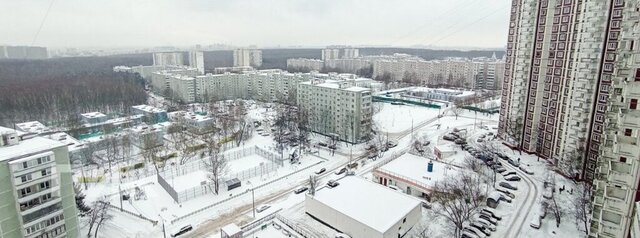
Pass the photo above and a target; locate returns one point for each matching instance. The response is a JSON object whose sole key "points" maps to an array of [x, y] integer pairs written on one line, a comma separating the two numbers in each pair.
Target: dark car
{"points": [[481, 229], [500, 169], [512, 178], [332, 183], [508, 186], [333, 147], [488, 218], [508, 173], [506, 192], [513, 162], [300, 190], [181, 231], [449, 137], [322, 170], [493, 214]]}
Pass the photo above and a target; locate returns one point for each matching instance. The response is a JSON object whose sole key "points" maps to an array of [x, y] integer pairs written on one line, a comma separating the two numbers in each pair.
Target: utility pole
{"points": [[253, 199]]}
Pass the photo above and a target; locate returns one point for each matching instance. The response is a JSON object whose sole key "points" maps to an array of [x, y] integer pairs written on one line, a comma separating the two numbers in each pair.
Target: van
{"points": [[182, 231]]}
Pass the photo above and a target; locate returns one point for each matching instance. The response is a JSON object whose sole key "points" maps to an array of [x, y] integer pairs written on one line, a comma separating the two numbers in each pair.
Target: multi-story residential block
{"points": [[339, 52], [36, 190], [196, 60], [570, 94], [337, 108], [168, 58], [247, 57]]}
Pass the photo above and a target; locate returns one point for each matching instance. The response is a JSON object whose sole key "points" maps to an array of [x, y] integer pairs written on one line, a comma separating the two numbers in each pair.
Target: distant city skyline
{"points": [[265, 24]]}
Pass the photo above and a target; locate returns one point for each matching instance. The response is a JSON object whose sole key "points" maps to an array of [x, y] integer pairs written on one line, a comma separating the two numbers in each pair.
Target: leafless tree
{"points": [[150, 151], [514, 131], [582, 206], [423, 230], [458, 198], [457, 109], [217, 166], [313, 184], [571, 164], [98, 216], [472, 164]]}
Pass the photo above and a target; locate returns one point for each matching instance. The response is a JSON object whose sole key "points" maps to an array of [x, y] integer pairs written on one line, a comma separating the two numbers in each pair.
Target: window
{"points": [[25, 178], [623, 159], [627, 132], [633, 104]]}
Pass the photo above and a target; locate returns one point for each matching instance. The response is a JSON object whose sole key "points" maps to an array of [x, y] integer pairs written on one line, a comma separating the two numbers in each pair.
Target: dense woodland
{"points": [[54, 90]]}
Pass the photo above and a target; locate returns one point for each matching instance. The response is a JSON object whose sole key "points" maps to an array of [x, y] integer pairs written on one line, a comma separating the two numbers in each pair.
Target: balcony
{"points": [[24, 210], [37, 215], [629, 118], [626, 145], [632, 89]]}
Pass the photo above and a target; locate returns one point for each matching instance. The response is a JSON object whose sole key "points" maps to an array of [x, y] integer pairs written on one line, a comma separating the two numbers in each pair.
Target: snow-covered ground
{"points": [[397, 118]]}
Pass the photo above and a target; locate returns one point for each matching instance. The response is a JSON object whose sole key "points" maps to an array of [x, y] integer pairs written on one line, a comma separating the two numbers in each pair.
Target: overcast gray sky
{"points": [[266, 23]]}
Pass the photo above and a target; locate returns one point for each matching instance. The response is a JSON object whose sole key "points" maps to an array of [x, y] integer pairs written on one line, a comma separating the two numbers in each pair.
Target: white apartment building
{"points": [[196, 60], [305, 64], [247, 57], [339, 52], [337, 108], [36, 192], [167, 58]]}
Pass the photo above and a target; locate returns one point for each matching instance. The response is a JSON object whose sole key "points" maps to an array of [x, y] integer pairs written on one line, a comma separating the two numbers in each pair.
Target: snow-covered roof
{"points": [[231, 229], [415, 168], [369, 203], [149, 109], [32, 127], [357, 89], [189, 116], [72, 143], [93, 114], [28, 146]]}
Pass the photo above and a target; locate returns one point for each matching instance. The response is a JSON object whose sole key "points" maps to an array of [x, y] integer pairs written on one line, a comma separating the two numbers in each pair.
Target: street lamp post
{"points": [[253, 199]]}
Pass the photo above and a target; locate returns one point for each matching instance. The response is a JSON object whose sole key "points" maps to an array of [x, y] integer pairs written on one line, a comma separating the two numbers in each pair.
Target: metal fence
{"points": [[172, 192], [295, 227], [273, 157], [193, 192], [154, 222], [247, 229], [260, 170]]}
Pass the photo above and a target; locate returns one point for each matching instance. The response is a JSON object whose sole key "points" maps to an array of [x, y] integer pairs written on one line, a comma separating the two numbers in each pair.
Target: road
{"points": [[211, 227], [520, 218]]}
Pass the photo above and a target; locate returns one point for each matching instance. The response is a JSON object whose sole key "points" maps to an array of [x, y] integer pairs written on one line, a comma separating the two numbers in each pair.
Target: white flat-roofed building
{"points": [[363, 209], [148, 136], [337, 107], [440, 94], [410, 173], [197, 123], [93, 117], [33, 127], [152, 114]]}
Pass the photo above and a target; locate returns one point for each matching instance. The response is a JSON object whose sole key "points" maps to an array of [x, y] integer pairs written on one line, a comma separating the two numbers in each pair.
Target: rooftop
{"points": [[381, 212], [28, 146], [415, 168], [357, 89], [32, 127], [150, 109], [64, 138], [93, 114]]}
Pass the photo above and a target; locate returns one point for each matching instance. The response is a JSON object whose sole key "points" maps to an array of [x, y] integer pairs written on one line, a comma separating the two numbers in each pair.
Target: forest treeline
{"points": [[54, 90]]}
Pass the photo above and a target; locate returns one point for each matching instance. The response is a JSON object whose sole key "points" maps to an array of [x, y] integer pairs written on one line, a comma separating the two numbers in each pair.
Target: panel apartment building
{"points": [[337, 108], [36, 192], [571, 87], [247, 57]]}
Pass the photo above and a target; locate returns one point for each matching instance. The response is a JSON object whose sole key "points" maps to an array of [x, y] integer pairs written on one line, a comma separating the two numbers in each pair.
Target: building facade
{"points": [[337, 108], [339, 52], [570, 94], [247, 57], [36, 188], [196, 60], [168, 58], [305, 64]]}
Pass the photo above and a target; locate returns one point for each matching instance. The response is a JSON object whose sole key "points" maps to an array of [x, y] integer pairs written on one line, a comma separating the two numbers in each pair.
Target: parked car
{"points": [[182, 231], [502, 156], [513, 162], [505, 198], [466, 234], [262, 208], [526, 170], [342, 235], [392, 144], [341, 171], [475, 231], [322, 144], [449, 137], [480, 140], [500, 169], [300, 190], [322, 170], [486, 224], [508, 186], [333, 147], [507, 173], [460, 141], [426, 205], [482, 229], [332, 183], [535, 222], [491, 213], [513, 178], [506, 192], [487, 219]]}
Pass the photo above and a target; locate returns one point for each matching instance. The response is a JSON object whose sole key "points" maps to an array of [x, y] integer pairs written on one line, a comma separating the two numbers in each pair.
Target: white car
{"points": [[262, 208], [342, 235]]}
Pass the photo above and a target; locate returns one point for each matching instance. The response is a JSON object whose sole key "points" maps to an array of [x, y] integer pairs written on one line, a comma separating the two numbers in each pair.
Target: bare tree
{"points": [[457, 109], [313, 184], [98, 216], [514, 131], [458, 198], [582, 206], [423, 230], [571, 164], [217, 167]]}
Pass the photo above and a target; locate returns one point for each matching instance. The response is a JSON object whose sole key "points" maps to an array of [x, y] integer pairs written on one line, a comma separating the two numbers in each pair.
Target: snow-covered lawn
{"points": [[398, 118]]}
